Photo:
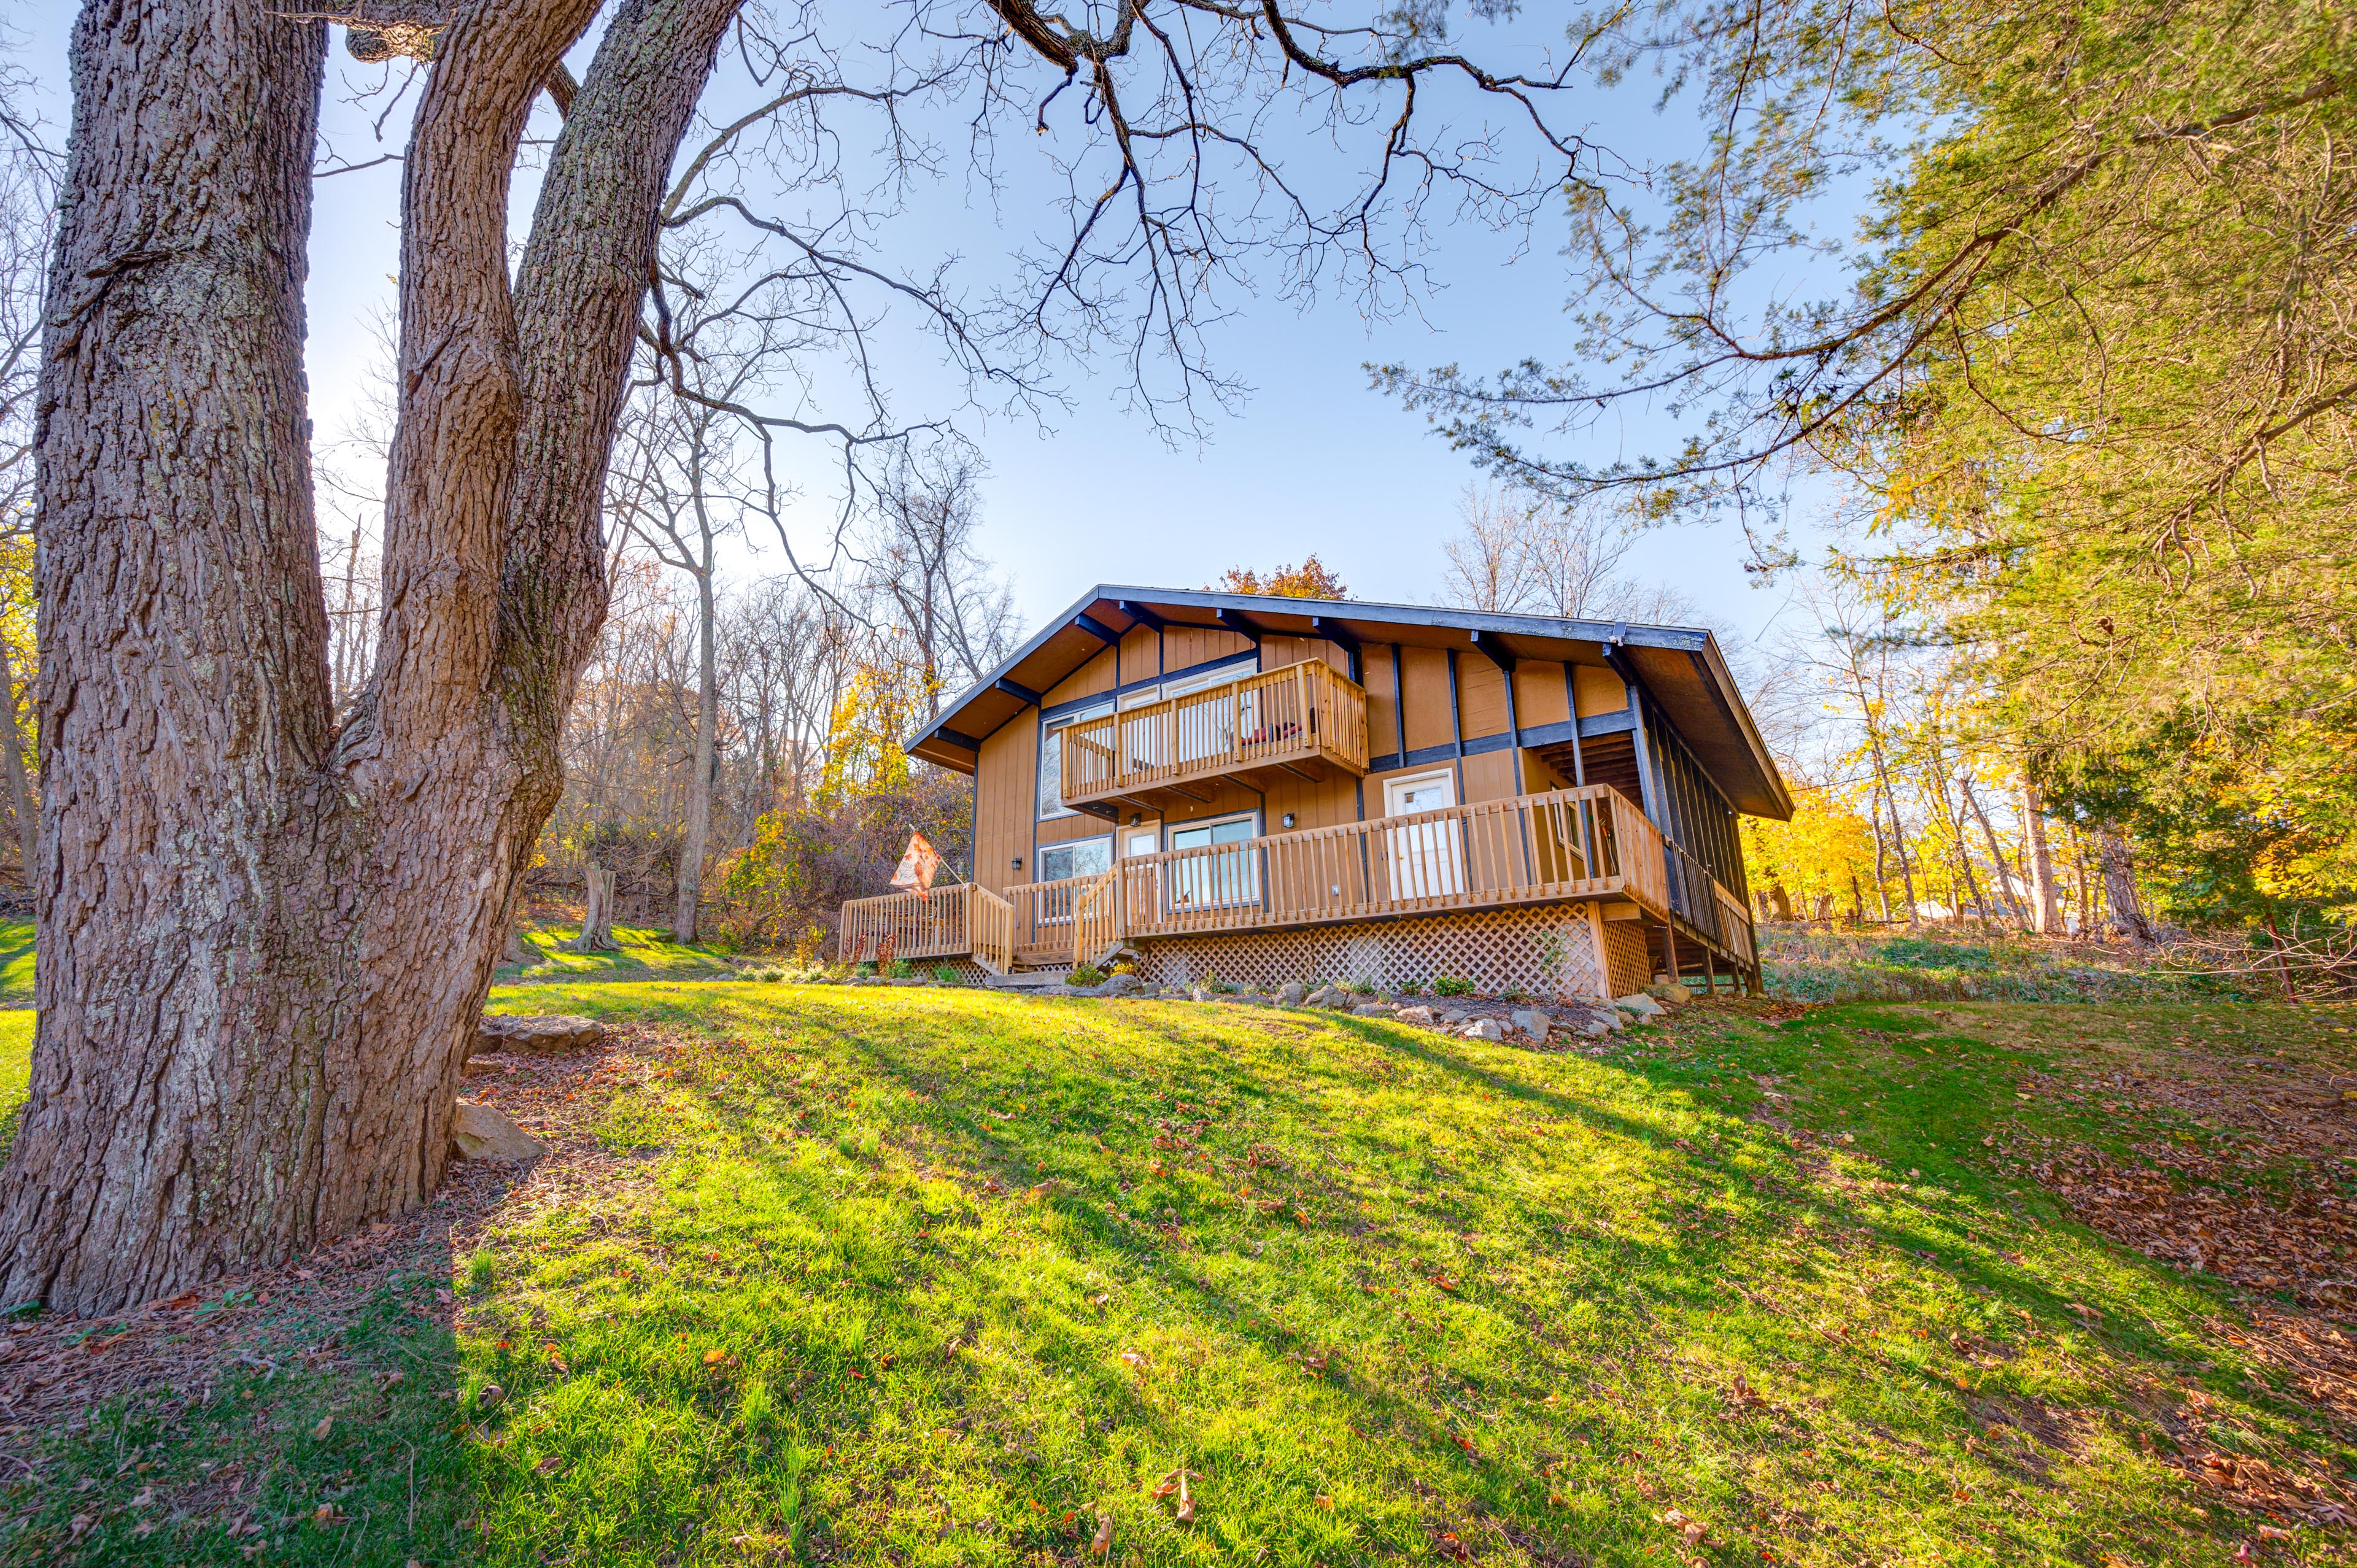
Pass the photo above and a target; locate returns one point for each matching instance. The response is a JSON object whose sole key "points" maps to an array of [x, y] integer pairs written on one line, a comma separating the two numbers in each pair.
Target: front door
{"points": [[1427, 859]]}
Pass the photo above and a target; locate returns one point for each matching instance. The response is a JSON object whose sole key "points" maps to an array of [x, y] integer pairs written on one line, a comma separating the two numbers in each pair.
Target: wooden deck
{"points": [[1586, 843], [1305, 719]]}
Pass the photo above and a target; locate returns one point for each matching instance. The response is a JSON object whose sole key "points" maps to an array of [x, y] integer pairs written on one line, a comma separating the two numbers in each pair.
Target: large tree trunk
{"points": [[264, 941]]}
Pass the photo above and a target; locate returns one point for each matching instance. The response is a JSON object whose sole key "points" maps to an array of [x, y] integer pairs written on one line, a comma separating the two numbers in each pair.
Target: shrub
{"points": [[1449, 986], [1124, 966], [1360, 988], [863, 970], [946, 973], [895, 969], [1088, 974]]}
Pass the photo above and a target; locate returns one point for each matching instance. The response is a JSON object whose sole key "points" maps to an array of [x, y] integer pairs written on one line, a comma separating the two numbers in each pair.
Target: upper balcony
{"points": [[1306, 719]]}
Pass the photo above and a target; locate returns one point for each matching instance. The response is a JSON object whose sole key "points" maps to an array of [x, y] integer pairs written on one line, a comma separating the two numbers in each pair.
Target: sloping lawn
{"points": [[935, 1277]]}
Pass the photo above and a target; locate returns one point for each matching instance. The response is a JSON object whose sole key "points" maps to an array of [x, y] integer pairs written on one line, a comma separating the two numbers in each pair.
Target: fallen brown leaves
{"points": [[168, 1354]]}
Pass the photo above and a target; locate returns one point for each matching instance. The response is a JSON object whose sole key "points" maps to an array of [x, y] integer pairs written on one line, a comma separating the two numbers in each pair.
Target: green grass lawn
{"points": [[16, 963], [935, 1277], [643, 953]]}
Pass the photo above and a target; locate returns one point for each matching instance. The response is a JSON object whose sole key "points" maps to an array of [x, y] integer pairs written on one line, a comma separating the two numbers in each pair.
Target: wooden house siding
{"points": [[1005, 786], [1141, 654], [1598, 691], [1425, 686], [1095, 678], [1541, 697], [1187, 645], [1481, 697]]}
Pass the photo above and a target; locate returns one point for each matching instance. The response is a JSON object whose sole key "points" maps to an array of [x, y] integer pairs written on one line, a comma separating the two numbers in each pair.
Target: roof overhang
{"points": [[1679, 667]]}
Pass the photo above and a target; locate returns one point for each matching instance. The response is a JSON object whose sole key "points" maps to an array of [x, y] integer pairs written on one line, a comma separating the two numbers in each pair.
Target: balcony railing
{"points": [[1305, 717], [1591, 843]]}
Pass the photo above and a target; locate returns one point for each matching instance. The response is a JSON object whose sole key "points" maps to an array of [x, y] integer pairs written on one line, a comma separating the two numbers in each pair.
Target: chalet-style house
{"points": [[1221, 786]]}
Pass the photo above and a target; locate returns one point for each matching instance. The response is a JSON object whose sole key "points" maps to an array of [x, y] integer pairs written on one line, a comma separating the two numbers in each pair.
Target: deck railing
{"points": [[1073, 920], [1570, 844], [902, 925], [1306, 712], [1735, 924], [1590, 843]]}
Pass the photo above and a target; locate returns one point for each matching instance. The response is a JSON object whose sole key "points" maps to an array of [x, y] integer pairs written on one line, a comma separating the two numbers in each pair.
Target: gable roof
{"points": [[1679, 669]]}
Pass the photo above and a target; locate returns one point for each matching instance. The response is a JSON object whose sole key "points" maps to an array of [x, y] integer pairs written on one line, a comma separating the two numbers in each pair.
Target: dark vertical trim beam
{"points": [[1455, 724], [1571, 704], [1399, 704]]}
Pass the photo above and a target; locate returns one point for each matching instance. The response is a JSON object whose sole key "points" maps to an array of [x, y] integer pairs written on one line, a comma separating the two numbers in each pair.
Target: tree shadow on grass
{"points": [[1029, 1356], [854, 1310], [303, 1416]]}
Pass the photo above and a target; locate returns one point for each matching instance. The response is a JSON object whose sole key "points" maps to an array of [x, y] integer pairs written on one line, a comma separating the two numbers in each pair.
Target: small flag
{"points": [[919, 867]]}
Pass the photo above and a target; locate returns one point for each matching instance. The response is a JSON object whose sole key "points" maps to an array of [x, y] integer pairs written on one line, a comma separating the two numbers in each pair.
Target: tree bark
{"points": [[596, 910], [1997, 853], [2046, 909], [2120, 897], [264, 940], [699, 784]]}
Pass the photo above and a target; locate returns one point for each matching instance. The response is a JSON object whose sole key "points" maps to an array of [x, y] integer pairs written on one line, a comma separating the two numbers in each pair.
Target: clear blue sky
{"points": [[1314, 461]]}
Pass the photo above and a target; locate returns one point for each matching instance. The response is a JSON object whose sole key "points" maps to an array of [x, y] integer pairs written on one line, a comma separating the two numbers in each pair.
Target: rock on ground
{"points": [[1291, 993], [1422, 1015], [1483, 1029], [536, 1032], [479, 1132], [1534, 1023], [1639, 1004]]}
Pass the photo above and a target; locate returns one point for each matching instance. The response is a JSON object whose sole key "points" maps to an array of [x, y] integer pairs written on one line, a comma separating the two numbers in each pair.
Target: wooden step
{"points": [[1025, 980]]}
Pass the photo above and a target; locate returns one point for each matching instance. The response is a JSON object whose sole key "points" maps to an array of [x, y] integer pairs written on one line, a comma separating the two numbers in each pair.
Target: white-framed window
{"points": [[1051, 759], [1079, 857]]}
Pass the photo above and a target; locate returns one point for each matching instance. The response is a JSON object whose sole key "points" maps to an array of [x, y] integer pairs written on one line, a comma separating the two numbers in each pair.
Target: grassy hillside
{"points": [[947, 1277]]}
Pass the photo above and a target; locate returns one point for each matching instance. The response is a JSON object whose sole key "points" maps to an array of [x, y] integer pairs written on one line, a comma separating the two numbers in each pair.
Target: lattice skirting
{"points": [[1545, 951], [1628, 961]]}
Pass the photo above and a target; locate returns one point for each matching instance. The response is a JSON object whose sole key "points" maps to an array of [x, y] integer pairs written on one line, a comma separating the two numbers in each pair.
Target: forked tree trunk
{"points": [[265, 938]]}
